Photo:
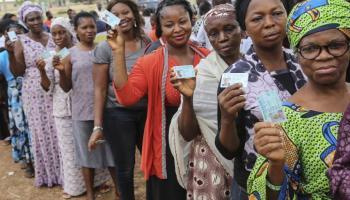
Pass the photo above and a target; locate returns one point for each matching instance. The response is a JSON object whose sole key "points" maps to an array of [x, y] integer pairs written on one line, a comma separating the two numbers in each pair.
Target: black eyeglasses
{"points": [[335, 49]]}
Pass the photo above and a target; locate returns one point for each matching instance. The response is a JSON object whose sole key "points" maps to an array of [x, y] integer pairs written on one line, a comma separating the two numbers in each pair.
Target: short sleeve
{"points": [[102, 54]]}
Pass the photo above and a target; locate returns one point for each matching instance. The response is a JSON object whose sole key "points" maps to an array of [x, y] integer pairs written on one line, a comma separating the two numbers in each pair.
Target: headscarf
{"points": [[314, 16], [65, 23], [220, 11], [28, 7]]}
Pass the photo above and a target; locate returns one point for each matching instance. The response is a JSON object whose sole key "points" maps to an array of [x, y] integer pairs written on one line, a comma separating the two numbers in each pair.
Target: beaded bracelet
{"points": [[272, 186]]}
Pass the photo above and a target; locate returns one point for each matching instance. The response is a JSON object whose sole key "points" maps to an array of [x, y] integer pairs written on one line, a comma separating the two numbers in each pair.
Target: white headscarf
{"points": [[28, 7], [65, 23]]}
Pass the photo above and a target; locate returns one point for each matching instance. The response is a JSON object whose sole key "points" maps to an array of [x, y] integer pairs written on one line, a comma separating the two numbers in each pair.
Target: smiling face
{"points": [[265, 22], [126, 16], [176, 25], [86, 29], [325, 69], [34, 22], [61, 36], [224, 35]]}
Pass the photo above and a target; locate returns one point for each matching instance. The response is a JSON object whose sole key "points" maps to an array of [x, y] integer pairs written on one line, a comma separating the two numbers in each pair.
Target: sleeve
{"points": [[339, 174], [136, 86], [102, 55]]}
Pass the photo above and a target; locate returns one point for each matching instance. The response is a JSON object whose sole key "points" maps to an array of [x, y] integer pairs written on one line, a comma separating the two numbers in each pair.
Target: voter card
{"points": [[47, 55], [63, 53], [184, 71], [12, 36], [109, 18], [228, 79], [271, 107]]}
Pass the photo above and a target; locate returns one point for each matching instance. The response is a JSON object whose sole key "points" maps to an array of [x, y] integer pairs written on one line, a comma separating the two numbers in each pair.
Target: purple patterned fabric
{"points": [[339, 174], [37, 106]]}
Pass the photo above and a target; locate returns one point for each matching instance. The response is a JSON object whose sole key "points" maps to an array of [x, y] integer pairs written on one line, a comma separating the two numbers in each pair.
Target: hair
{"points": [[94, 13], [80, 15], [204, 7], [8, 16], [47, 13], [135, 11], [166, 3], [69, 10], [6, 24], [218, 2]]}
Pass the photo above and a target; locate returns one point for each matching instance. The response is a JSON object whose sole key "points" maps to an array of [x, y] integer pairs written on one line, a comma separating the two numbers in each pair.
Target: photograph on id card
{"points": [[109, 18], [184, 71], [271, 107], [228, 79], [12, 36]]}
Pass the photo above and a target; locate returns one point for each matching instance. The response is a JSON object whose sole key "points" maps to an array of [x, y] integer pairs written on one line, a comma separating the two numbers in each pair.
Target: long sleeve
{"points": [[135, 88], [339, 174]]}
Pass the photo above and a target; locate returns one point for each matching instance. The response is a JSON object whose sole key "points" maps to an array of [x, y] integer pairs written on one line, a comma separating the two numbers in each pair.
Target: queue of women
{"points": [[89, 111]]}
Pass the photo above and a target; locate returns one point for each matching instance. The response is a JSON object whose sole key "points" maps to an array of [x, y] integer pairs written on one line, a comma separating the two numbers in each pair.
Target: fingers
{"points": [[269, 148]]}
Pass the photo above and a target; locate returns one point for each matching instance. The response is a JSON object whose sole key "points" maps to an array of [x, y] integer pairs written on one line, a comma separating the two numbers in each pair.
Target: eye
{"points": [[277, 13], [257, 19], [337, 45], [309, 48]]}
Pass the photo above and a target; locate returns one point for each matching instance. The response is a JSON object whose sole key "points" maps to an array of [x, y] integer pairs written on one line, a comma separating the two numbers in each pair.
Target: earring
{"points": [[135, 25]]}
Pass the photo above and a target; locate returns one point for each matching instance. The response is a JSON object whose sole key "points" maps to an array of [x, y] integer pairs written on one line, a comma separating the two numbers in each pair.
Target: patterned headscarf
{"points": [[28, 7], [65, 23], [312, 16], [220, 11]]}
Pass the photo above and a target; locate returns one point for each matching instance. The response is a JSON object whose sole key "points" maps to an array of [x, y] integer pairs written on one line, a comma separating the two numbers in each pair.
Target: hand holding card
{"points": [[12, 36], [182, 78]]}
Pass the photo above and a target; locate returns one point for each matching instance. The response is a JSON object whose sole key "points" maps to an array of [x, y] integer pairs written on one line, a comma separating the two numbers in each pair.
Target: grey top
{"points": [[82, 85], [103, 55]]}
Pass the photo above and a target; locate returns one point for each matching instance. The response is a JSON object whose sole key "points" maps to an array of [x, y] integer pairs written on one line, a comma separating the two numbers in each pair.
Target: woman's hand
{"points": [[40, 64], [57, 64], [231, 101], [95, 139], [184, 86], [115, 40], [268, 141]]}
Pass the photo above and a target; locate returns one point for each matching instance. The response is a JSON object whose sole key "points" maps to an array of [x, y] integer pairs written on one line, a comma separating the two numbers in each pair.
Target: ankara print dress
{"points": [[37, 105], [310, 143]]}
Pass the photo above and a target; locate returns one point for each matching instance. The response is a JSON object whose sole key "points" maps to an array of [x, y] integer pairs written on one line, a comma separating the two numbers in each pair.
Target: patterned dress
{"points": [[38, 108], [310, 142]]}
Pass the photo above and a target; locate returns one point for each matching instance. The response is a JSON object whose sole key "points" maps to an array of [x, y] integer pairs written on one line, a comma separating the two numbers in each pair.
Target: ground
{"points": [[14, 186]]}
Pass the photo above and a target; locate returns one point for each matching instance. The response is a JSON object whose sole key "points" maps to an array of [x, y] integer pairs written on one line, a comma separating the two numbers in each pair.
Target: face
{"points": [[86, 29], [34, 22], [61, 36], [14, 18], [71, 14], [176, 25], [325, 69], [126, 15], [265, 22], [49, 15], [224, 35]]}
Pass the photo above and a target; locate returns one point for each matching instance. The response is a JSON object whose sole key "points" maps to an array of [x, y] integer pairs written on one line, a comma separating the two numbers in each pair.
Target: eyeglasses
{"points": [[335, 49]]}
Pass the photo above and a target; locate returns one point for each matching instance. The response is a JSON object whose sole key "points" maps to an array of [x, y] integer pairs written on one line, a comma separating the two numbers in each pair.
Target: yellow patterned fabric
{"points": [[310, 142]]}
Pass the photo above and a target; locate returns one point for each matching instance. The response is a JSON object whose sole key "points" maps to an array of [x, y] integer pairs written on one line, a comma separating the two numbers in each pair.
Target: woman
{"points": [[122, 126], [77, 75], [37, 104], [196, 121], [270, 67], [18, 125], [296, 154], [151, 76]]}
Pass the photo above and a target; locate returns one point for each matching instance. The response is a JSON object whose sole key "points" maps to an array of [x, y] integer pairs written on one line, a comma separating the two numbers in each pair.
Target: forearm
{"points": [[120, 75], [228, 135], [188, 124], [275, 177], [45, 81], [65, 82], [99, 104], [16, 68]]}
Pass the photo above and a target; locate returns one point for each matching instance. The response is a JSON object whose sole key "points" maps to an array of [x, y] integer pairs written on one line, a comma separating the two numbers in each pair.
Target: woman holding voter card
{"points": [[76, 73], [122, 126], [202, 170], [151, 76], [296, 154], [37, 104], [267, 66]]}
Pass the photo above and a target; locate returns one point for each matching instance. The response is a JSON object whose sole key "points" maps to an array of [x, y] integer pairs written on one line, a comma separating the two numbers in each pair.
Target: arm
{"points": [[45, 81], [16, 57], [65, 71], [230, 102]]}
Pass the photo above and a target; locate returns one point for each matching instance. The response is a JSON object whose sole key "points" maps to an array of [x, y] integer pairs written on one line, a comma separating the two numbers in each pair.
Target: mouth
{"points": [[272, 36], [326, 69], [124, 23], [180, 37], [225, 48]]}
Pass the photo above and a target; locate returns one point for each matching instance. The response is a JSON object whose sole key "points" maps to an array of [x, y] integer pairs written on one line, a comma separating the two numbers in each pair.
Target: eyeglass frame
{"points": [[321, 47]]}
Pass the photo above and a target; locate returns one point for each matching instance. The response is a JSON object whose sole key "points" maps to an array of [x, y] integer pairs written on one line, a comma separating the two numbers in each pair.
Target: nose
{"points": [[269, 22], [222, 36], [177, 27]]}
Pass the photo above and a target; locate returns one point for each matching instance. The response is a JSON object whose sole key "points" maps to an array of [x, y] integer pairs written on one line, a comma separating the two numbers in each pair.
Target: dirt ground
{"points": [[14, 186]]}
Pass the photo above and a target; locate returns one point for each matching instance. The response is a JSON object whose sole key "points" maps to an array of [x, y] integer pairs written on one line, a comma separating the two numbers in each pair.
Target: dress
{"points": [[18, 125], [310, 142], [38, 108], [72, 178]]}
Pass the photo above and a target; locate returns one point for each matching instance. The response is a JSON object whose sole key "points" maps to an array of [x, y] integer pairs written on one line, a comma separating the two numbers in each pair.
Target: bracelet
{"points": [[272, 186], [97, 128]]}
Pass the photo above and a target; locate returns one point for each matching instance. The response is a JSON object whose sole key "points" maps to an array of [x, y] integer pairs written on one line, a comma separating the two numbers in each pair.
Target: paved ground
{"points": [[13, 185]]}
